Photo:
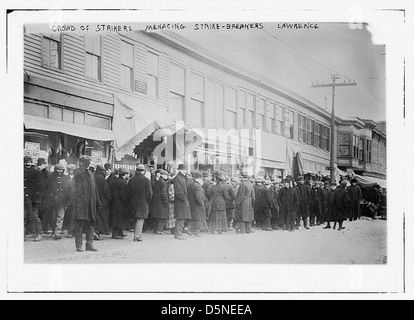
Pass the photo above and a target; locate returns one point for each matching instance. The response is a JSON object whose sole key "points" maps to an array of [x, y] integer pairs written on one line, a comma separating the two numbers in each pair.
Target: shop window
{"points": [[344, 145], [93, 57], [52, 51], [98, 122], [127, 65], [152, 74]]}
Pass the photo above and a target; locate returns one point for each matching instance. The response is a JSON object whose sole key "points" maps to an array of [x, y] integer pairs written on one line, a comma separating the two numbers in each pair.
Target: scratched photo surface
{"points": [[198, 142]]}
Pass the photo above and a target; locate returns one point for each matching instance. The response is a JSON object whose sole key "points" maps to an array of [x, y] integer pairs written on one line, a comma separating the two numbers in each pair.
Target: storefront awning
{"points": [[37, 123], [365, 180]]}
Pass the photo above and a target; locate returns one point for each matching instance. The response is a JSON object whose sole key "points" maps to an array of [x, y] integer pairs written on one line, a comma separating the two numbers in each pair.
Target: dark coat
{"points": [[288, 201], [341, 204], [230, 204], [304, 199], [119, 202], [330, 206], [318, 201], [244, 202], [103, 189], [159, 208], [181, 204], [33, 185], [140, 194], [58, 192], [355, 196], [264, 200], [219, 195], [275, 203], [86, 195], [197, 200], [257, 190], [206, 187]]}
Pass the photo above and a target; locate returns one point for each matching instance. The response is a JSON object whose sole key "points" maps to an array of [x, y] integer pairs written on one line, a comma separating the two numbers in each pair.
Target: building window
{"points": [[93, 57], [279, 120], [311, 125], [195, 111], [260, 114], [355, 147], [271, 117], [344, 145], [52, 51], [250, 108], [152, 74], [361, 150], [127, 65], [325, 138], [317, 135], [230, 120], [177, 85], [369, 151], [302, 128], [242, 107], [288, 123]]}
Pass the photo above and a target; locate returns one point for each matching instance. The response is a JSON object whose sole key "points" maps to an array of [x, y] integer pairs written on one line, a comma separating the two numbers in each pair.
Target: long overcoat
{"points": [[102, 223], [159, 208], [230, 204], [197, 200], [275, 203], [219, 195], [181, 204], [317, 202], [244, 202], [86, 195], [304, 200], [288, 202], [265, 202], [355, 196], [341, 204], [140, 195], [33, 185], [330, 212], [119, 202]]}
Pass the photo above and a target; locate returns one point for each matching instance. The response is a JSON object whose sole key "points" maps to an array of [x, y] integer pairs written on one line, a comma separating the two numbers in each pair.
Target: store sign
{"points": [[32, 149]]}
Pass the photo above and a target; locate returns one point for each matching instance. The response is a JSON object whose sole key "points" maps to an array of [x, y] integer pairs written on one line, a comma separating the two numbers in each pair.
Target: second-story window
{"points": [[279, 120], [93, 57], [302, 128], [250, 110], [152, 74], [177, 91], [196, 108], [311, 125], [271, 116], [127, 65], [52, 50], [230, 118], [355, 149]]}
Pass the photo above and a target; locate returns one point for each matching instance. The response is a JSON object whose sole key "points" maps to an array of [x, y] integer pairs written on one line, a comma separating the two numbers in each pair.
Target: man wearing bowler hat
{"points": [[181, 204], [140, 193], [87, 203]]}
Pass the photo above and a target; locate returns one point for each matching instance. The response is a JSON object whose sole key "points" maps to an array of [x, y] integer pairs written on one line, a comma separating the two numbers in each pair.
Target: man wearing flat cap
{"points": [[197, 201], [355, 196], [58, 196], [159, 208], [119, 207], [140, 197], [86, 202], [181, 204], [244, 206], [33, 190]]}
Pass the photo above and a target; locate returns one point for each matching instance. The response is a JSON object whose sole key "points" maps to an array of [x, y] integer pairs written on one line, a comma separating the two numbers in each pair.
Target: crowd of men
{"points": [[100, 201]]}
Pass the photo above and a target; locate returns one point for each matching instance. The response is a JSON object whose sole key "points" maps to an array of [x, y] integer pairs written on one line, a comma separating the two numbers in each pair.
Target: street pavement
{"points": [[362, 242]]}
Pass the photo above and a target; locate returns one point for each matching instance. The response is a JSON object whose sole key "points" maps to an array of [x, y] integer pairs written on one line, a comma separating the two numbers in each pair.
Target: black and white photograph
{"points": [[201, 151]]}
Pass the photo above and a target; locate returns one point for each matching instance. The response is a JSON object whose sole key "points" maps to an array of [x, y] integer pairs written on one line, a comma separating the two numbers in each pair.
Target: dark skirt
{"points": [[218, 220]]}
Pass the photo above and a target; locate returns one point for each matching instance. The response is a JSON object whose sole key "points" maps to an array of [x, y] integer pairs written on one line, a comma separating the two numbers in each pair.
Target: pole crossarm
{"points": [[330, 85]]}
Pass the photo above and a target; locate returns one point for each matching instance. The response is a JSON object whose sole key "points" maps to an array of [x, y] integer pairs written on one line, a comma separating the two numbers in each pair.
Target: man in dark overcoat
{"points": [[70, 213], [102, 223], [355, 196], [119, 206], [197, 201], [258, 187], [317, 204], [58, 197], [230, 205], [244, 205], [159, 209], [304, 200], [341, 204], [181, 204], [288, 202], [140, 193], [86, 202], [44, 212], [329, 214], [265, 205], [274, 221], [33, 191]]}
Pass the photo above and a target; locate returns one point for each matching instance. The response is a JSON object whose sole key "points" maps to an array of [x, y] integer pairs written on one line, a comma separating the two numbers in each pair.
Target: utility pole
{"points": [[332, 85]]}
